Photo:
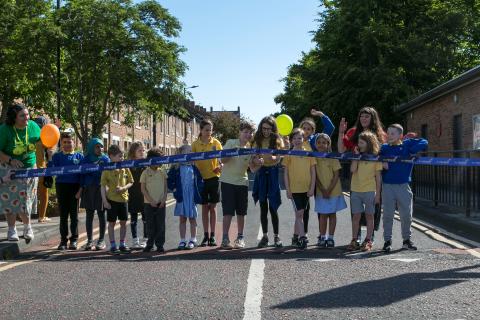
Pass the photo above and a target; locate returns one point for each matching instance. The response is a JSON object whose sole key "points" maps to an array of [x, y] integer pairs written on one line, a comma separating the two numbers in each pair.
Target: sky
{"points": [[238, 51]]}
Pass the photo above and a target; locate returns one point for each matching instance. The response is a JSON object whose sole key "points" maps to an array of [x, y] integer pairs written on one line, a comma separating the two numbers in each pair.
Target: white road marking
{"points": [[408, 260], [253, 298]]}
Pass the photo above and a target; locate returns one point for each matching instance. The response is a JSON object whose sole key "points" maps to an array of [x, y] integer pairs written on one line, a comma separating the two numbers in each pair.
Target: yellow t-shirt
{"points": [[116, 178], [325, 170], [299, 172], [154, 181], [307, 146], [364, 179], [206, 166], [235, 169], [266, 145]]}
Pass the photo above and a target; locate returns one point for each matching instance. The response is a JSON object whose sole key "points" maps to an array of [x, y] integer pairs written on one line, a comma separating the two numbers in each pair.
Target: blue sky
{"points": [[239, 50]]}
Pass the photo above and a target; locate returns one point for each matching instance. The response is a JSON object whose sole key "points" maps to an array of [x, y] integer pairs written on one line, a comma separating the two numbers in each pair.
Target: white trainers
{"points": [[239, 243], [136, 244], [143, 244], [28, 233], [12, 235]]}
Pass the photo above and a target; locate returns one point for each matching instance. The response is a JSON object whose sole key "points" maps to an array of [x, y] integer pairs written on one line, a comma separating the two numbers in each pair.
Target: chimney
{"points": [[211, 109]]}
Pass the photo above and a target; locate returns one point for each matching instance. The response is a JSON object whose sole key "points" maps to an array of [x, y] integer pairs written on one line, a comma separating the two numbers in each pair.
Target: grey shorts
{"points": [[362, 202]]}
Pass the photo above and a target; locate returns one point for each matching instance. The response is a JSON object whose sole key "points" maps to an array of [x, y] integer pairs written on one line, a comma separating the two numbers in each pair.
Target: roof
{"points": [[462, 80]]}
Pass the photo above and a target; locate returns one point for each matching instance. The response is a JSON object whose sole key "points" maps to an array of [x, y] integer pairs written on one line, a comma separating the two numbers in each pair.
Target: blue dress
{"points": [[187, 208]]}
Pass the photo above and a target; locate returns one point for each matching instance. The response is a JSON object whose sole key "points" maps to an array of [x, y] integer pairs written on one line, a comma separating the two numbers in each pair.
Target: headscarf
{"points": [[91, 149]]}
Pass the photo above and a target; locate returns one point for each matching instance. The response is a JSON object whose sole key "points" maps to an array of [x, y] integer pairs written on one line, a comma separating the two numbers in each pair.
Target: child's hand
{"points": [[316, 113], [107, 205], [78, 195], [286, 142], [49, 154], [356, 150], [8, 176], [385, 165], [377, 199], [342, 127], [289, 195], [161, 204], [258, 161], [218, 169], [310, 193], [119, 189], [326, 194]]}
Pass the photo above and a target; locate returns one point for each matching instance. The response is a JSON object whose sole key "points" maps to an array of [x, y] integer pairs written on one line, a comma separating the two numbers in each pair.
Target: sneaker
{"points": [[302, 243], [322, 243], [160, 250], [124, 249], [73, 245], [136, 244], [62, 246], [239, 243], [12, 235], [226, 244], [182, 245], [408, 245], [191, 244], [367, 245], [114, 250], [28, 233], [263, 242], [295, 241], [204, 242], [277, 242], [387, 246], [88, 246], [143, 243], [100, 245], [148, 248], [330, 243], [353, 246], [212, 242]]}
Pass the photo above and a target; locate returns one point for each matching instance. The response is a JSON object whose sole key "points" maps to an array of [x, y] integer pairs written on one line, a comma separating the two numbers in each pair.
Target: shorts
{"points": [[300, 201], [118, 210], [211, 192], [234, 199], [362, 202]]}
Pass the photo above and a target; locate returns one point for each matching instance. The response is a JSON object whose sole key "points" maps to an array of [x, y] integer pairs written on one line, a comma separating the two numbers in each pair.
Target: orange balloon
{"points": [[50, 135]]}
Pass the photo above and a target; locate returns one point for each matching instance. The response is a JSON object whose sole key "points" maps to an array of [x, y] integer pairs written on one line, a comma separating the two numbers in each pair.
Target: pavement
{"points": [[439, 281]]}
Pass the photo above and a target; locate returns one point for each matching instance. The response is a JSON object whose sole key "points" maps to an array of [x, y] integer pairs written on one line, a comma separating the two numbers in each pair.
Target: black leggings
{"points": [[264, 217], [306, 215], [101, 224]]}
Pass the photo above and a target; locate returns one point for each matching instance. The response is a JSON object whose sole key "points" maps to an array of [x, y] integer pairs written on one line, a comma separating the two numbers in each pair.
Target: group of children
{"points": [[132, 191]]}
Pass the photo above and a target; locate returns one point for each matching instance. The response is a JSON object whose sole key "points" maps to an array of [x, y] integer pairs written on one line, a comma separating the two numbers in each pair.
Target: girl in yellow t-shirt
{"points": [[329, 199], [365, 188]]}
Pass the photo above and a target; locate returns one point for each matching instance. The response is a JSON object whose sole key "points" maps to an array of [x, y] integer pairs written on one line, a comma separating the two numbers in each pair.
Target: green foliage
{"points": [[381, 53]]}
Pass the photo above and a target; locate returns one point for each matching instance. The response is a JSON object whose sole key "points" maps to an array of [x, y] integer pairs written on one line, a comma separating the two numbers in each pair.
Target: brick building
{"points": [[448, 115]]}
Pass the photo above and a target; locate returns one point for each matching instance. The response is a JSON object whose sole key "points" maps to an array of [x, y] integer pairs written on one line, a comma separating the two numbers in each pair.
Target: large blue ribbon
{"points": [[227, 153]]}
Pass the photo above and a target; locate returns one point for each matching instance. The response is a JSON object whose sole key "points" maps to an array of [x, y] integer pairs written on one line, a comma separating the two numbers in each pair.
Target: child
{"points": [[365, 189], [234, 186], [115, 185], [153, 183], [396, 189], [186, 183], [92, 195], [68, 190], [266, 187], [210, 170], [135, 197], [329, 199], [299, 176]]}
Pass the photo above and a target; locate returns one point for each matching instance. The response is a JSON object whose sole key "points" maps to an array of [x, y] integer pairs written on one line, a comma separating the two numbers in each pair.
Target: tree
{"points": [[226, 125], [381, 53]]}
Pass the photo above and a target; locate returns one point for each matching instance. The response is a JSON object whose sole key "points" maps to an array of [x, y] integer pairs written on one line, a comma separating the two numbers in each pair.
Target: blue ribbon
{"points": [[227, 153]]}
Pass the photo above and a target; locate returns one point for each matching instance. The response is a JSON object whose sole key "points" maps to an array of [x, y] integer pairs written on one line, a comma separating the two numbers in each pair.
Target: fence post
{"points": [[468, 189], [435, 183]]}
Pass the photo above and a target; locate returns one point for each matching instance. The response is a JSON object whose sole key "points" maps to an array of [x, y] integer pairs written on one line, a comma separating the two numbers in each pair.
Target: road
{"points": [[436, 282]]}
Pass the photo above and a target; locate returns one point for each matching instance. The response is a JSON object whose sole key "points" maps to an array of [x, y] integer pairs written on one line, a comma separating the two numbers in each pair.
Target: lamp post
{"points": [[185, 89], [58, 69]]}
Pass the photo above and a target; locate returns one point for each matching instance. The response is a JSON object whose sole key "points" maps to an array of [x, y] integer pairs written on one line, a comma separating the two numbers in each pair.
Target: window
{"points": [[116, 115], [105, 143], [168, 124], [457, 132], [125, 145], [424, 131]]}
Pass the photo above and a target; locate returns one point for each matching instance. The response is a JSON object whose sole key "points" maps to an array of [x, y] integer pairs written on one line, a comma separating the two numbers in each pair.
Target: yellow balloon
{"points": [[284, 124]]}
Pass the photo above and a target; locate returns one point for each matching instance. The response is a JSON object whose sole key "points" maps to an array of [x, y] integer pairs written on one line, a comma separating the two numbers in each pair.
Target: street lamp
{"points": [[185, 89]]}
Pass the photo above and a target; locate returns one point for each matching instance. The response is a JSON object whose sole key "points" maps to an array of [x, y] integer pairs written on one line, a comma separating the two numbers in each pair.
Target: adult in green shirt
{"points": [[18, 136]]}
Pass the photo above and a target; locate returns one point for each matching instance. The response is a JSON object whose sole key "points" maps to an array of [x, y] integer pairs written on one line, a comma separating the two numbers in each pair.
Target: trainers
{"points": [[226, 244], [294, 241], [212, 242], [143, 243], [62, 246], [148, 248], [354, 245], [367, 245], [302, 243], [408, 245], [204, 242], [182, 245], [73, 245], [160, 250], [136, 244], [330, 243], [100, 245], [191, 244], [114, 250], [124, 249], [88, 246], [387, 246], [277, 242], [322, 243], [239, 243], [263, 242], [12, 235], [28, 233]]}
